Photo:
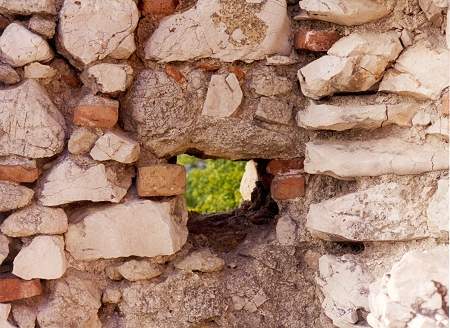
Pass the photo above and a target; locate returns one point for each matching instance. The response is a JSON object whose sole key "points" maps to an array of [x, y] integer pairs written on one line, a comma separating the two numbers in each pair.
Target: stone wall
{"points": [[341, 104]]}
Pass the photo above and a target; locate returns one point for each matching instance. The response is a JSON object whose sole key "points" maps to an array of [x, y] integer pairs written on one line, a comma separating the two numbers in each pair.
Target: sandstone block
{"points": [[18, 169], [159, 8], [202, 260], [437, 211], [272, 110], [4, 247], [161, 180], [445, 104], [290, 186], [135, 270], [96, 112], [81, 140], [27, 7], [13, 196], [8, 75], [13, 288], [279, 166], [315, 40], [116, 146], [39, 71], [223, 97], [108, 78], [43, 26]]}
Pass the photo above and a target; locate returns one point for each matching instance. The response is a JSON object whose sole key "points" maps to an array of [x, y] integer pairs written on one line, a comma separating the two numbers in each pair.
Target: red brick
{"points": [[96, 112], [13, 288], [208, 66], [18, 173], [279, 166], [285, 187], [159, 7], [161, 180], [315, 40]]}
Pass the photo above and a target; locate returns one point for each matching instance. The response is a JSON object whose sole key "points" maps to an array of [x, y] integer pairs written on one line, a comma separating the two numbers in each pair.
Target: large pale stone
{"points": [[249, 179], [440, 128], [343, 12], [108, 78], [384, 212], [411, 77], [30, 124], [14, 196], [27, 7], [72, 180], [19, 46], [135, 270], [224, 96], [90, 30], [116, 146], [4, 247], [35, 219], [373, 158], [125, 49], [137, 227], [229, 30], [43, 258], [438, 214]]}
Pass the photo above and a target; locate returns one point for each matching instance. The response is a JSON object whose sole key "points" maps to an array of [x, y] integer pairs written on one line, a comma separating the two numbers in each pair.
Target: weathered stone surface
{"points": [[108, 78], [13, 196], [43, 26], [273, 110], [202, 260], [115, 146], [8, 75], [125, 49], [401, 114], [4, 247], [24, 315], [35, 219], [39, 71], [161, 180], [267, 83], [13, 288], [249, 179], [19, 47], [97, 112], [111, 231], [224, 96], [345, 282], [159, 8], [135, 270], [354, 63], [81, 140], [227, 30], [18, 169], [277, 166], [93, 29], [30, 123], [437, 211], [434, 10], [43, 258], [385, 212], [77, 179], [111, 295], [439, 128], [373, 158], [413, 292], [344, 12], [4, 313], [287, 186], [27, 7], [420, 81], [315, 40]]}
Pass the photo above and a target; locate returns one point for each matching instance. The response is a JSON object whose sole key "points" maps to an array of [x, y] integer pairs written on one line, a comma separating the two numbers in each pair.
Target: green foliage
{"points": [[212, 185]]}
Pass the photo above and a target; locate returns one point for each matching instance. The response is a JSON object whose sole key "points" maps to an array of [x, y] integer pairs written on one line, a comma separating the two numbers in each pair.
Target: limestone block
{"points": [[108, 78], [4, 247], [43, 26], [201, 260], [81, 140], [4, 313], [39, 71], [273, 110], [437, 211], [135, 270], [13, 196], [27, 7], [223, 97], [267, 83], [248, 181], [8, 75], [18, 169], [115, 146]]}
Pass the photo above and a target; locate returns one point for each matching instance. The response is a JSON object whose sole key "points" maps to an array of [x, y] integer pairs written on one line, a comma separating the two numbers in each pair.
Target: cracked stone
{"points": [[39, 71], [273, 110], [135, 270], [18, 169], [44, 26], [248, 180], [96, 112], [81, 140], [8, 75], [115, 146], [224, 96], [437, 211], [108, 78], [13, 196], [4, 247], [28, 7], [202, 260], [315, 40]]}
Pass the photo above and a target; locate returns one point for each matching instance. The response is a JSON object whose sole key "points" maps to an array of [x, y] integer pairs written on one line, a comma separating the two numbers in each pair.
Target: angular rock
{"points": [[401, 114], [410, 79], [43, 26], [439, 128], [248, 180], [115, 146], [13, 288], [161, 180], [315, 40], [4, 314], [108, 78], [385, 212], [18, 169], [24, 315], [224, 96], [353, 64], [35, 219], [437, 211], [287, 186], [422, 118], [111, 296], [125, 49], [134, 270], [81, 140], [267, 83], [4, 248], [134, 228], [78, 179], [277, 166], [43, 258], [27, 7], [39, 71], [97, 112], [223, 30], [19, 46], [273, 110], [13, 196], [8, 75], [373, 158], [434, 10], [93, 29], [202, 260]]}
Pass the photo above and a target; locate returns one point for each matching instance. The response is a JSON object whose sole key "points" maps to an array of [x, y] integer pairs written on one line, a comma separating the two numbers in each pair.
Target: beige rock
{"points": [[39, 71], [92, 30], [267, 83], [273, 110], [43, 26], [373, 158], [410, 78], [286, 230], [116, 146], [108, 78], [24, 315], [401, 114], [19, 46], [30, 124], [8, 75], [222, 30], [434, 10], [72, 180], [201, 260], [35, 219], [43, 258], [277, 60], [224, 96], [437, 212], [248, 181], [135, 270], [137, 227], [4, 248], [82, 140], [125, 49], [4, 313], [422, 118], [111, 295], [13, 196], [439, 128], [27, 7]]}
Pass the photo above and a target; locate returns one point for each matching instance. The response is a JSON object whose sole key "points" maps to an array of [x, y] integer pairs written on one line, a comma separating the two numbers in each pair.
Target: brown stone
{"points": [[314, 40], [445, 104], [96, 112], [159, 7], [161, 180], [18, 173], [279, 166], [208, 66], [239, 72], [13, 288], [174, 73], [285, 187]]}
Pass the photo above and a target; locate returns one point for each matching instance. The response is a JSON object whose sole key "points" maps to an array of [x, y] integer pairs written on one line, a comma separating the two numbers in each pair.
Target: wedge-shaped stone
{"points": [[384, 212], [116, 146], [224, 96], [78, 179], [14, 196], [134, 270], [373, 158], [27, 7], [81, 140], [108, 78], [224, 30], [4, 314], [136, 227], [437, 212]]}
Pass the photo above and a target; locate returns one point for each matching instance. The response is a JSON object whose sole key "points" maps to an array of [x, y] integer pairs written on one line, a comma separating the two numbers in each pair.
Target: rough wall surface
{"points": [[341, 104]]}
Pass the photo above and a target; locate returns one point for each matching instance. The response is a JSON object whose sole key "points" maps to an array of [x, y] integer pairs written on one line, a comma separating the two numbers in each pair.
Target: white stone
{"points": [[81, 140], [39, 71], [14, 196], [27, 7], [373, 158], [4, 314], [72, 180], [411, 76], [44, 26], [248, 181], [4, 248], [422, 118], [19, 46], [134, 228], [273, 110], [8, 75], [343, 12], [200, 260], [116, 146], [401, 114], [135, 270], [90, 30], [125, 49], [35, 219], [385, 212], [206, 30], [108, 78], [31, 125], [439, 128], [43, 258], [438, 210], [223, 97]]}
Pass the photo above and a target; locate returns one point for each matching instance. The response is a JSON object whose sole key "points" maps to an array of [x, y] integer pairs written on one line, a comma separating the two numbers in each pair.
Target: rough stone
{"points": [[110, 231], [249, 179], [13, 196], [437, 211], [4, 313], [19, 46], [13, 288], [225, 30], [39, 71], [267, 83], [273, 110], [78, 179], [315, 40], [35, 219], [24, 315], [81, 140], [108, 78], [434, 10], [125, 49], [30, 123], [201, 260], [439, 128], [93, 29], [43, 258], [161, 180], [286, 230], [4, 247], [8, 75], [135, 270], [97, 112], [115, 146], [27, 7], [277, 166], [18, 169], [224, 96], [159, 8], [43, 26]]}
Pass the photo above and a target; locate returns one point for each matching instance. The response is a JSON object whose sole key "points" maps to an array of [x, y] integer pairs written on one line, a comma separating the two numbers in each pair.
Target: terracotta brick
{"points": [[97, 112], [445, 104], [315, 40], [13, 288], [279, 166], [159, 7], [18, 173], [239, 72], [289, 186], [175, 74], [161, 180]]}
